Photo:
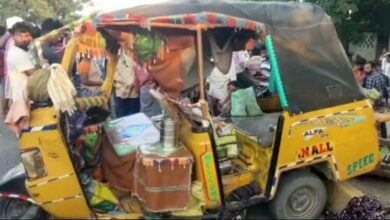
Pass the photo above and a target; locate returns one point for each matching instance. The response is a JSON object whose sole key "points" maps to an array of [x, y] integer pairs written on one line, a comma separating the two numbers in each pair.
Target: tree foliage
{"points": [[37, 10], [353, 17]]}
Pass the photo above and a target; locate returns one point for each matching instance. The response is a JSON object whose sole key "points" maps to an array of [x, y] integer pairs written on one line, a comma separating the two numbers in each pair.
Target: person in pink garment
{"points": [[6, 42], [358, 69], [19, 66]]}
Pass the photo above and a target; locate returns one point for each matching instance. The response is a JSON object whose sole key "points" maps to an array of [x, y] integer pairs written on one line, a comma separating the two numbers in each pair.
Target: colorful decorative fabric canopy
{"points": [[207, 18]]}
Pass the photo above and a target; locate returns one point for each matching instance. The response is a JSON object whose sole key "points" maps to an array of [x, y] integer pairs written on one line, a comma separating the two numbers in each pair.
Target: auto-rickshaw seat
{"points": [[259, 127], [37, 105]]}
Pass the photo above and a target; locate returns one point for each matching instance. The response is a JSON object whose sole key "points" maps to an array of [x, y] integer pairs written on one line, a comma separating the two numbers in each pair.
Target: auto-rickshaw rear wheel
{"points": [[301, 195], [17, 209]]}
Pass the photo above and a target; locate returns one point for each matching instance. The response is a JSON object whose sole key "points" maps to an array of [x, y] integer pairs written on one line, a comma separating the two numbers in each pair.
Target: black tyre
{"points": [[17, 209], [234, 215], [300, 195]]}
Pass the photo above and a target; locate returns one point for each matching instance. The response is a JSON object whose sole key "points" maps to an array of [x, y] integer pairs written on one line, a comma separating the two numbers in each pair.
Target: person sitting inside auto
{"points": [[90, 77], [247, 78], [240, 101], [253, 77], [265, 68], [224, 107]]}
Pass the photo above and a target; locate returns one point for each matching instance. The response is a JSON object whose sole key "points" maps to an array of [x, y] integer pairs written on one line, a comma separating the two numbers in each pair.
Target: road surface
{"points": [[9, 155]]}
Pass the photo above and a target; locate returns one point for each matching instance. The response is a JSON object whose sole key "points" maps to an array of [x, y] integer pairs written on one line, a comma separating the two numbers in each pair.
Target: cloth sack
{"points": [[244, 103], [37, 85], [117, 170]]}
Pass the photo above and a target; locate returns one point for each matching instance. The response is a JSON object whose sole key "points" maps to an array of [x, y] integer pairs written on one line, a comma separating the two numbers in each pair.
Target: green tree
{"points": [[353, 17], [37, 10]]}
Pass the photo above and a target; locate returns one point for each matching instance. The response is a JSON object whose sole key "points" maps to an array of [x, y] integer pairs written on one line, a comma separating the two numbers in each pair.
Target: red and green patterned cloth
{"points": [[193, 18]]}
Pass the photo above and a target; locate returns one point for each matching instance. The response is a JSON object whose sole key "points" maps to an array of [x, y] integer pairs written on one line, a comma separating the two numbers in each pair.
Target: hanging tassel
{"points": [[172, 163], [159, 164]]}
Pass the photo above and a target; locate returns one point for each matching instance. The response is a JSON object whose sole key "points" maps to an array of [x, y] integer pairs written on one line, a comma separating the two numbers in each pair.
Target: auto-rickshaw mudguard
{"points": [[14, 181], [59, 189]]}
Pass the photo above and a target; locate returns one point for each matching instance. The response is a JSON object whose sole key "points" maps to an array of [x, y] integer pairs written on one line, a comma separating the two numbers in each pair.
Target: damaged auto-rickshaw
{"points": [[322, 128]]}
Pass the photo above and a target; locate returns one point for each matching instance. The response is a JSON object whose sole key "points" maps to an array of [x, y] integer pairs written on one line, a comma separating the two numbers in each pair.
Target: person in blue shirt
{"points": [[48, 49], [375, 80]]}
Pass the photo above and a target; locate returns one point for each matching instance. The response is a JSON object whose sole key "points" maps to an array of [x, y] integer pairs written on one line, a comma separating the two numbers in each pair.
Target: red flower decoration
{"points": [[212, 18], [250, 25], [232, 22], [189, 19], [163, 20]]}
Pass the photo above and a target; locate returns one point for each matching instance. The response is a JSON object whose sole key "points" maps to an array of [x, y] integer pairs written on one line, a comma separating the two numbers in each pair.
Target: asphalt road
{"points": [[9, 152], [375, 187]]}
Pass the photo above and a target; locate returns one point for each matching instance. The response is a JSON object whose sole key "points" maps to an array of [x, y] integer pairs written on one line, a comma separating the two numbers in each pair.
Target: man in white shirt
{"points": [[20, 67], [385, 61], [6, 42]]}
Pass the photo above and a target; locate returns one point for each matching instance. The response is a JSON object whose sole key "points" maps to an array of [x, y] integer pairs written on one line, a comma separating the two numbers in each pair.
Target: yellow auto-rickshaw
{"points": [[325, 129]]}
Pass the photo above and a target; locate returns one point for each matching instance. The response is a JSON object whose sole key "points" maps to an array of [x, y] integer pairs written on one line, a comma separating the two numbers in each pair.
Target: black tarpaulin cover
{"points": [[314, 68]]}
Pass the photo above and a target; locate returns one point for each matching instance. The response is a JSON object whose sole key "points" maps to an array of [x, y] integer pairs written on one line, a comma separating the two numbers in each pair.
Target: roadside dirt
{"points": [[375, 187]]}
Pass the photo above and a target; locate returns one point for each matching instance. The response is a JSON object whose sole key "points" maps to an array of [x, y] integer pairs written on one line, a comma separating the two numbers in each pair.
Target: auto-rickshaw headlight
{"points": [[33, 163]]}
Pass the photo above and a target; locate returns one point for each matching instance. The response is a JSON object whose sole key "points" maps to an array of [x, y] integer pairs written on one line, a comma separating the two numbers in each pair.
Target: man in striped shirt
{"points": [[265, 68], [374, 80]]}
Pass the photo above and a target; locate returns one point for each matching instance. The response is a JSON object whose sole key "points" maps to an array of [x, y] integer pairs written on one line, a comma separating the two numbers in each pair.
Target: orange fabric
{"points": [[90, 42], [169, 71], [84, 67], [249, 45], [89, 28]]}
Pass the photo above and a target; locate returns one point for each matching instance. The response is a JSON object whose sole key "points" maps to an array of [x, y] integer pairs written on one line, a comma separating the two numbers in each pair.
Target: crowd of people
{"points": [[248, 68], [18, 62], [374, 75]]}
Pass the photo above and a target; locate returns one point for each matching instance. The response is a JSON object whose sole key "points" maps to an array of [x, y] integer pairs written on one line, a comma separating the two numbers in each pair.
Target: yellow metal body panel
{"points": [[120, 216], [345, 137], [234, 181], [205, 170], [59, 191], [43, 117], [259, 158]]}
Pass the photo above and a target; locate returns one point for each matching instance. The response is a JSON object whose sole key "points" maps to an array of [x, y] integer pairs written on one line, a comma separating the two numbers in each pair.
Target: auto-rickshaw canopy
{"points": [[314, 68]]}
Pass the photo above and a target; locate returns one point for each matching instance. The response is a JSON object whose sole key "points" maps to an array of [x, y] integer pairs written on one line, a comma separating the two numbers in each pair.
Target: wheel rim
{"points": [[302, 201], [13, 209]]}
